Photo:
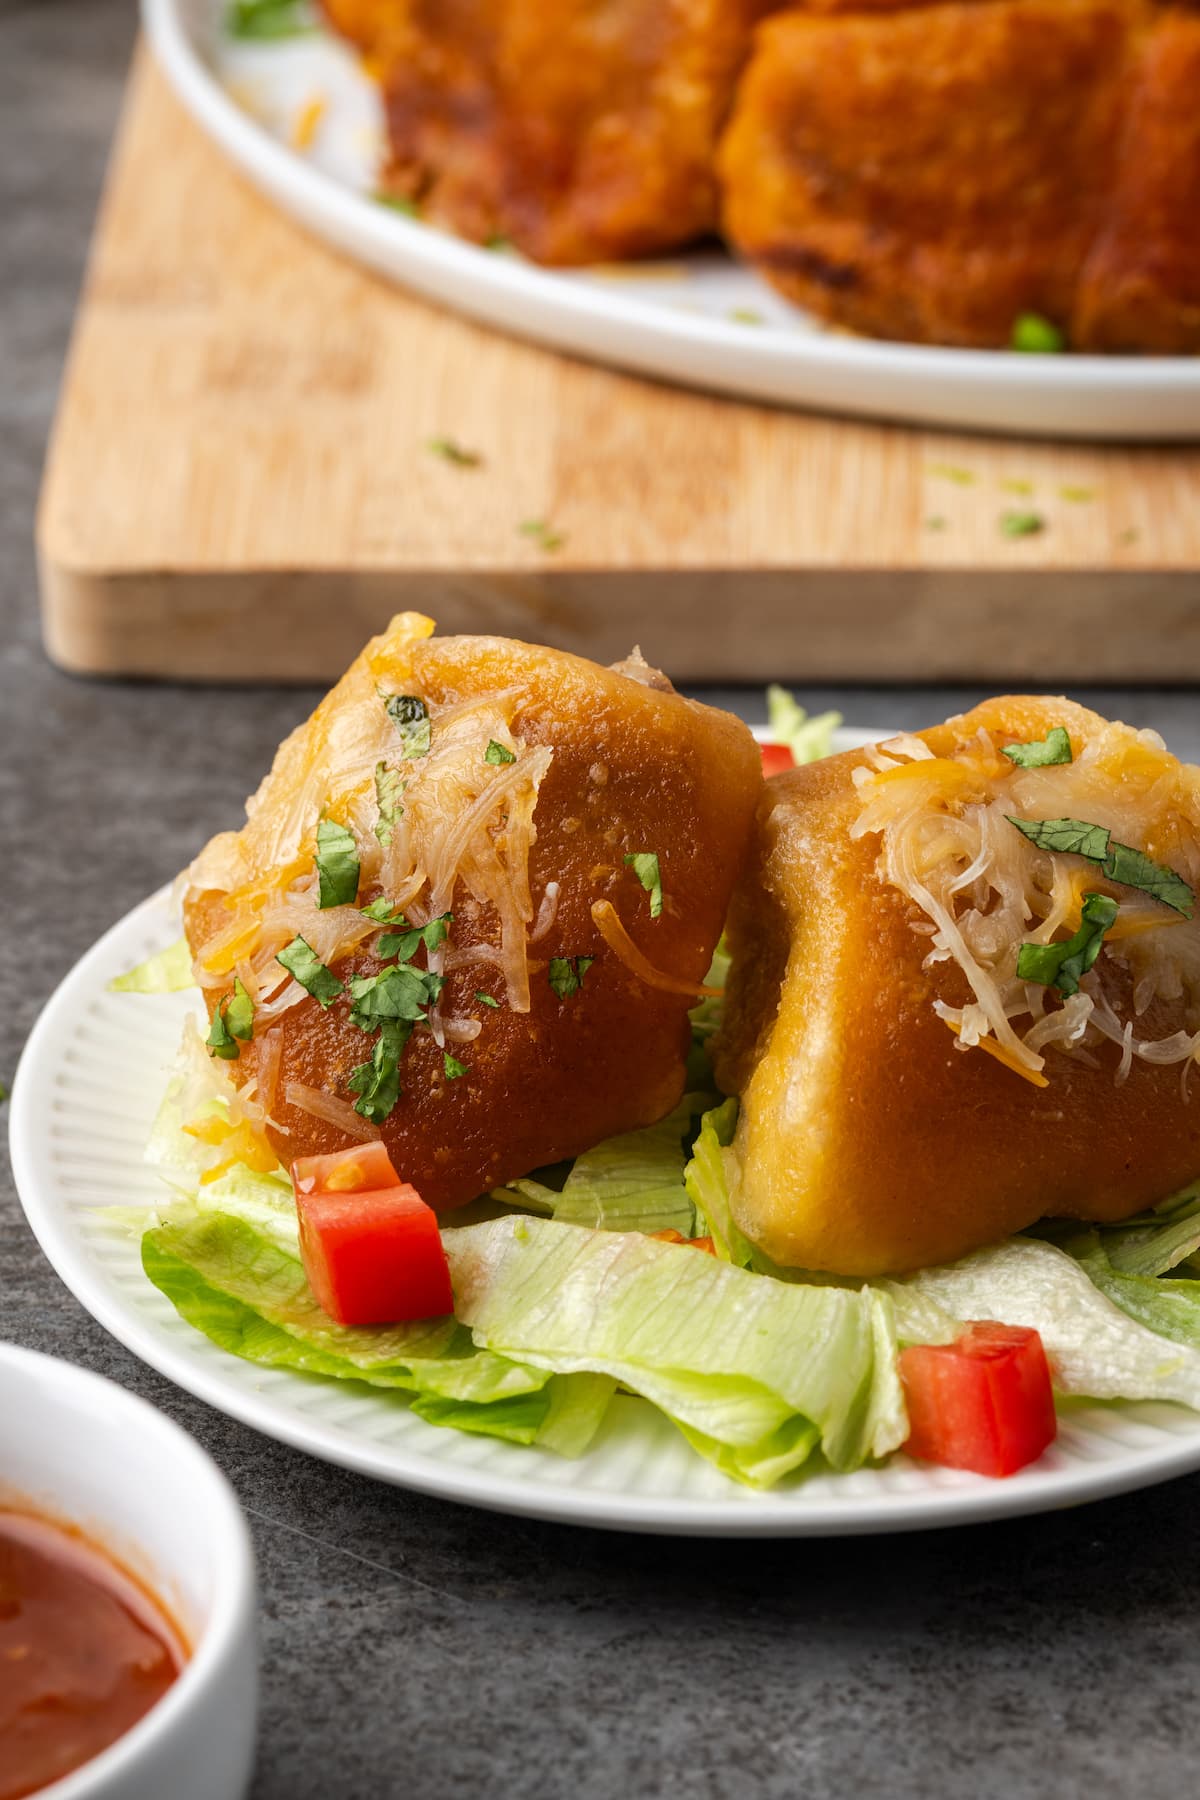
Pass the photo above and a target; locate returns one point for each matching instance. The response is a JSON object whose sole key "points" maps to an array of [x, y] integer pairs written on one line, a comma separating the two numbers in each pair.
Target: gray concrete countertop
{"points": [[421, 1649]]}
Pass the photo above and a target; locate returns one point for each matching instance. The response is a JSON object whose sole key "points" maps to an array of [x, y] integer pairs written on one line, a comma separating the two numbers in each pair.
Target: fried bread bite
{"points": [[471, 906], [933, 172], [577, 132], [944, 1025]]}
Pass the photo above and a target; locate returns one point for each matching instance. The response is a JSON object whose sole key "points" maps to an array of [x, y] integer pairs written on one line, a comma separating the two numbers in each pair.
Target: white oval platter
{"points": [[682, 322]]}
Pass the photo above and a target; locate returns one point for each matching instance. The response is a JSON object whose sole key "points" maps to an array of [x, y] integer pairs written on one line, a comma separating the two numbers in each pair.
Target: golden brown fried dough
{"points": [[869, 1142], [619, 766], [931, 173], [579, 132]]}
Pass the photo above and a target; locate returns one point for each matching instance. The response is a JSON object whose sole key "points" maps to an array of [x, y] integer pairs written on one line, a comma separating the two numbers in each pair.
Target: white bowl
{"points": [[83, 1451]]}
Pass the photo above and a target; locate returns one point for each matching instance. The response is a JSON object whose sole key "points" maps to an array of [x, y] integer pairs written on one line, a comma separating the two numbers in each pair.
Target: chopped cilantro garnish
{"points": [[403, 945], [239, 1012], [485, 999], [952, 472], [1041, 753], [644, 864], [1021, 524], [566, 973], [410, 715], [301, 960], [233, 1019], [497, 242], [377, 1083], [1036, 336], [268, 18], [397, 992], [453, 1067], [388, 789], [453, 452], [337, 865], [1062, 965], [496, 753], [3, 1092], [220, 1041], [1120, 862], [383, 912], [543, 534]]}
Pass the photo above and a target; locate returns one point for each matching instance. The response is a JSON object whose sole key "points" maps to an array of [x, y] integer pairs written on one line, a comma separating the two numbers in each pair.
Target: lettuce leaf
{"points": [[248, 1294], [166, 972], [707, 1179], [808, 739], [1151, 1243], [1104, 1337], [634, 1182], [757, 1374]]}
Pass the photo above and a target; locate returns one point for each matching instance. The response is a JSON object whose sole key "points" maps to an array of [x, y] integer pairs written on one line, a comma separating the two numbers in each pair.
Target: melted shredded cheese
{"points": [[462, 822], [940, 807]]}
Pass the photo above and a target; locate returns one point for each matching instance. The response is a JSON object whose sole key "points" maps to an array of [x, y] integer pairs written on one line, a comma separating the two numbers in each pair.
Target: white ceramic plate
{"points": [[671, 321], [86, 1092]]}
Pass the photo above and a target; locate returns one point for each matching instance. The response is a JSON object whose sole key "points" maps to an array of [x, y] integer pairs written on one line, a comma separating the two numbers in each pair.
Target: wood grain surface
{"points": [[240, 486]]}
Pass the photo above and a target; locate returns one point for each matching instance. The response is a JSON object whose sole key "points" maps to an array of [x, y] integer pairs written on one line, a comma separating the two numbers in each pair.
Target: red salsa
{"points": [[84, 1652]]}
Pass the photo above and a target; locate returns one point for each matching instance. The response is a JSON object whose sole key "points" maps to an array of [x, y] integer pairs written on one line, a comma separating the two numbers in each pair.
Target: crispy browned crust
{"points": [[634, 768], [929, 173], [578, 133], [870, 1144]]}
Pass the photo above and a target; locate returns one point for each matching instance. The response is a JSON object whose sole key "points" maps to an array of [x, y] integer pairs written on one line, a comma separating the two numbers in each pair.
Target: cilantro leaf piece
{"points": [[403, 945], [239, 1012], [397, 203], [496, 753], [377, 1083], [219, 1040], [485, 999], [301, 960], [410, 715], [1066, 837], [1021, 524], [337, 865], [1133, 868], [1062, 965], [268, 19], [1036, 336], [1120, 862], [383, 912], [397, 992], [453, 452], [543, 534], [644, 864], [453, 1067], [388, 789], [566, 973], [1041, 753]]}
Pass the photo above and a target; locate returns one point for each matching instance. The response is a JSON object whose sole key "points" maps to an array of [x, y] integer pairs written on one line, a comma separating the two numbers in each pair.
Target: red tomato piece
{"points": [[984, 1402], [776, 758], [375, 1257], [671, 1236], [349, 1171]]}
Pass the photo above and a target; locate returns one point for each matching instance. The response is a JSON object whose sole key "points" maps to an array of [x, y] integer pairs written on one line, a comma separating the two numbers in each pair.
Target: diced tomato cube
{"points": [[374, 1257], [349, 1171], [984, 1402], [776, 758]]}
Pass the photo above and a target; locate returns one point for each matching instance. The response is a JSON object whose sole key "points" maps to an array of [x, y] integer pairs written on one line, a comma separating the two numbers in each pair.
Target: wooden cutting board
{"points": [[240, 487]]}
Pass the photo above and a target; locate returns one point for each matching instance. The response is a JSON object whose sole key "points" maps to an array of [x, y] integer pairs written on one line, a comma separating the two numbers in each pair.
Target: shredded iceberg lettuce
{"points": [[807, 739], [167, 972], [634, 1182], [248, 1294], [757, 1374]]}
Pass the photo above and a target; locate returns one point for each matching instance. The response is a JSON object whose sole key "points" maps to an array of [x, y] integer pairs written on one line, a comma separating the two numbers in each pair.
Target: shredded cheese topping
{"points": [[940, 806], [460, 820]]}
